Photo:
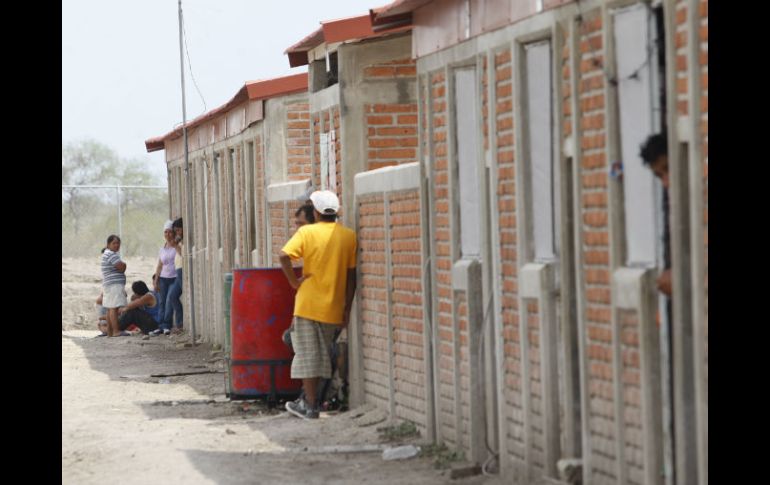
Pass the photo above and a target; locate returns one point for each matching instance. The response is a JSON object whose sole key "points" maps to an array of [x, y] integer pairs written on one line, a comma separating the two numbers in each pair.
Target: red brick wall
{"points": [[259, 197], [506, 205], [315, 119], [403, 232], [566, 90], [680, 43], [595, 248], [461, 300], [338, 153], [703, 34], [372, 297], [485, 104], [227, 216], [628, 322], [406, 306], [443, 264], [323, 124], [281, 217], [392, 134], [537, 420], [278, 234], [241, 202], [425, 88], [298, 141], [399, 68]]}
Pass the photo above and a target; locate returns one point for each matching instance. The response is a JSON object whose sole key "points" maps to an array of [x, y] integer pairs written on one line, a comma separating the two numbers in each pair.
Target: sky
{"points": [[120, 61]]}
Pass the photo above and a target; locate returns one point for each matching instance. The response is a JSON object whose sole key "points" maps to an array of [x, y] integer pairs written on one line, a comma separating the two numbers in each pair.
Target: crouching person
{"points": [[142, 311], [324, 296]]}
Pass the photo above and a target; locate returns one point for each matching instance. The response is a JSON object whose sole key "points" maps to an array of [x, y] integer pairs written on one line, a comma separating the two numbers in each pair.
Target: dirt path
{"points": [[119, 425]]}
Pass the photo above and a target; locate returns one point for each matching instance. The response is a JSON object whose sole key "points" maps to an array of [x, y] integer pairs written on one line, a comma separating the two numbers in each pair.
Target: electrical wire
{"points": [[189, 64]]}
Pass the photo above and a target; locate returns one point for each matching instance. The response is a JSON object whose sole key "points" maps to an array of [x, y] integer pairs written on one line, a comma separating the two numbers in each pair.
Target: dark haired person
{"points": [[173, 299], [304, 215], [113, 283], [324, 295], [142, 311], [165, 275], [654, 153]]}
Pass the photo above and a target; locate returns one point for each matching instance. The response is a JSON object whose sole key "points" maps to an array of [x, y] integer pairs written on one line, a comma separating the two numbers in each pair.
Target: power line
{"points": [[189, 64]]}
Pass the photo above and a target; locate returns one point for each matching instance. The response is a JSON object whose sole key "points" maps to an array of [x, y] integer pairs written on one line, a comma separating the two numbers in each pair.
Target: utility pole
{"points": [[188, 221]]}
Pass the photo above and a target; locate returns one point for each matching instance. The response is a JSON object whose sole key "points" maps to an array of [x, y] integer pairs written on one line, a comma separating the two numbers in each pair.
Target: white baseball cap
{"points": [[167, 225], [325, 201]]}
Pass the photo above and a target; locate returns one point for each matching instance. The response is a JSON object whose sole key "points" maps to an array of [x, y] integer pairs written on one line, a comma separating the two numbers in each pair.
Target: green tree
{"points": [[85, 162], [88, 215]]}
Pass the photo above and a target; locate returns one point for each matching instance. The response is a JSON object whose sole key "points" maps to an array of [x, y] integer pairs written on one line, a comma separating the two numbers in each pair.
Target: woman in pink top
{"points": [[165, 275]]}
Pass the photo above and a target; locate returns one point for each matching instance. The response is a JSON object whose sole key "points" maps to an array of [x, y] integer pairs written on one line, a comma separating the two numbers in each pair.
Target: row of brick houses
{"points": [[487, 154]]}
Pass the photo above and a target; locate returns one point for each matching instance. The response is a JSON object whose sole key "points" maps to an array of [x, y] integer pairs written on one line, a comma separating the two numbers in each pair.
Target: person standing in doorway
{"points": [[654, 153], [324, 297], [165, 276], [175, 292]]}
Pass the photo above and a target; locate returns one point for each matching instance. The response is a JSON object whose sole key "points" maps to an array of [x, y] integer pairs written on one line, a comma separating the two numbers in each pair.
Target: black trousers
{"points": [[137, 317]]}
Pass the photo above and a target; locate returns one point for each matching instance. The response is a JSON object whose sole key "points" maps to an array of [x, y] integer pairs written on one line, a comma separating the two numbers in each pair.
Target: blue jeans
{"points": [[165, 285], [173, 301]]}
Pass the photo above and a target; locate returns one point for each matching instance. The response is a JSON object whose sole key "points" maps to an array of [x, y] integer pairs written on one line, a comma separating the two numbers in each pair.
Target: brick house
{"points": [[486, 151]]}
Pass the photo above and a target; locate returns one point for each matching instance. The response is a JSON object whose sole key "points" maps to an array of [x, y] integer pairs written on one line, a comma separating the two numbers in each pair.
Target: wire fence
{"points": [[90, 213]]}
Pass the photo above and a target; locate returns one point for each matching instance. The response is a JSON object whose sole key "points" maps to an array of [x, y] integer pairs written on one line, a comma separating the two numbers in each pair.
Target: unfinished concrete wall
{"points": [[390, 315], [287, 140], [282, 203], [232, 223], [377, 104]]}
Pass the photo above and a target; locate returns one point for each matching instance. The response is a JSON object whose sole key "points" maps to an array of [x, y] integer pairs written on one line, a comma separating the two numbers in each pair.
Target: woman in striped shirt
{"points": [[113, 284]]}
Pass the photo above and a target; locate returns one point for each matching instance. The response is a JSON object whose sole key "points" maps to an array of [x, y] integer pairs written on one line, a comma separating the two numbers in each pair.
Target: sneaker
{"points": [[156, 332], [166, 331], [299, 408]]}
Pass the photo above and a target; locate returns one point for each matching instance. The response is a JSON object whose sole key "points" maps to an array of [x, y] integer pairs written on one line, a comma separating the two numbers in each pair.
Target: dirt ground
{"points": [[121, 424]]}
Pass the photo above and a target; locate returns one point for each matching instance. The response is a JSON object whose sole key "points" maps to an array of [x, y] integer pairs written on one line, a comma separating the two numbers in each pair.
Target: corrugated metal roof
{"points": [[251, 90], [338, 30]]}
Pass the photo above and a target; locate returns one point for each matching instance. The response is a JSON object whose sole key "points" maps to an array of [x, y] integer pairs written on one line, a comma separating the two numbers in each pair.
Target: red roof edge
{"points": [[308, 42], [297, 59], [268, 88], [394, 14], [358, 27], [251, 90], [340, 30], [155, 144]]}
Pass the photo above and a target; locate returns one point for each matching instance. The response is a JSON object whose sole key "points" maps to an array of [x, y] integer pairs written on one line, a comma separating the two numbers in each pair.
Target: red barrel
{"points": [[262, 307]]}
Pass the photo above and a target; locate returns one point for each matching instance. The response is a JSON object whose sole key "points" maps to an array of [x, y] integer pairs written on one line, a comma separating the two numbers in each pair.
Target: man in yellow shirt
{"points": [[324, 295]]}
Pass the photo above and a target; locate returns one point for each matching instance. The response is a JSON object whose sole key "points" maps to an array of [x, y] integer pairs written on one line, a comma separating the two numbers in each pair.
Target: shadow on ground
{"points": [[293, 452], [131, 358], [285, 468]]}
